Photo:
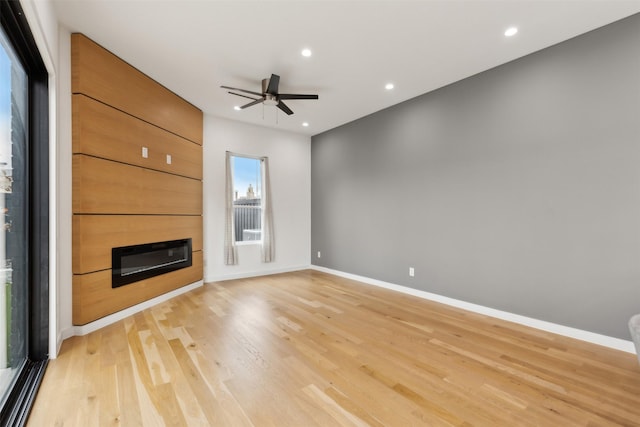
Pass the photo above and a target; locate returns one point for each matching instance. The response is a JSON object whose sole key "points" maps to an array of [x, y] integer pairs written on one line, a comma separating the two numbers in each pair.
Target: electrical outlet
{"points": [[168, 159], [319, 254], [412, 272], [145, 152]]}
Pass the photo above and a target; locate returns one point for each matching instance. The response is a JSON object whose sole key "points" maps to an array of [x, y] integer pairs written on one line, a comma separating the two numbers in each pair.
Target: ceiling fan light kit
{"points": [[270, 100], [269, 95]]}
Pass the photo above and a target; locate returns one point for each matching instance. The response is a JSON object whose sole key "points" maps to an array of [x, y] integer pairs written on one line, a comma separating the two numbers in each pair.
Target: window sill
{"points": [[249, 243]]}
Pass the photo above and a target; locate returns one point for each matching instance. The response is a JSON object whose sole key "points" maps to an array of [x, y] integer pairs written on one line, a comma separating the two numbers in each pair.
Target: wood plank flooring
{"points": [[311, 349]]}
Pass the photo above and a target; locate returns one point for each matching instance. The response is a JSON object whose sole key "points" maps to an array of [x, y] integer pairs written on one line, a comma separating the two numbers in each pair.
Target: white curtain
{"points": [[230, 251], [268, 243]]}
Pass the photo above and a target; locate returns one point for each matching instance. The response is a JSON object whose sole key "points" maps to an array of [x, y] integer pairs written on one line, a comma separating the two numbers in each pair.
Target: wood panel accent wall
{"points": [[103, 186], [100, 75], [94, 298], [105, 132], [121, 197], [97, 234]]}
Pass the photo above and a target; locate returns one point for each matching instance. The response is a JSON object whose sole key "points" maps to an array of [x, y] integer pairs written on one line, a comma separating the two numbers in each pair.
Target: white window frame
{"points": [[259, 159]]}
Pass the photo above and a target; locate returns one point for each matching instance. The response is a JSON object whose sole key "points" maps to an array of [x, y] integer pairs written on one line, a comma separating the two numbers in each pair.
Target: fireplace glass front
{"points": [[138, 262]]}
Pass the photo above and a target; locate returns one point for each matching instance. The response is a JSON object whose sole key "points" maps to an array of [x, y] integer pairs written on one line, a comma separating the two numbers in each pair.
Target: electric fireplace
{"points": [[133, 263]]}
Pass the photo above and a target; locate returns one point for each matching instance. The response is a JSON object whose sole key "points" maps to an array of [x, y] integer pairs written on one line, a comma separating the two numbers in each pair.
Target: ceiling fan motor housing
{"points": [[269, 95]]}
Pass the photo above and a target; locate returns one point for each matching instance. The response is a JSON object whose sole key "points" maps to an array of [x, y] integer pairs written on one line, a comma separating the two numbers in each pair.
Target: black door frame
{"points": [[17, 405]]}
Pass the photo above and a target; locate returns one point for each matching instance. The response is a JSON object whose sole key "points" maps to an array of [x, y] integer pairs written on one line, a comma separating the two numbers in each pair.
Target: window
{"points": [[24, 216], [247, 198], [248, 206]]}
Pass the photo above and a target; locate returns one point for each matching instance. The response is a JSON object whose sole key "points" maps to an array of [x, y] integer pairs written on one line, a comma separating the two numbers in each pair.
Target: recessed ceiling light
{"points": [[389, 86], [305, 124], [237, 108], [511, 31], [306, 52]]}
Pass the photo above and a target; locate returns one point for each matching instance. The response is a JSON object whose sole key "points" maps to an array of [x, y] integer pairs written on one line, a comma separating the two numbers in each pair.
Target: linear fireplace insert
{"points": [[133, 263]]}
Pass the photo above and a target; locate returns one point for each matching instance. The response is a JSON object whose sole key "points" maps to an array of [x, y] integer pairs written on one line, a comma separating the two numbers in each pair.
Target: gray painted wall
{"points": [[517, 188]]}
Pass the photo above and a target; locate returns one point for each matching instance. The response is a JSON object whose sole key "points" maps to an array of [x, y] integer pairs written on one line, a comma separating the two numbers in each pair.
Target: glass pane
{"points": [[247, 203], [13, 215]]}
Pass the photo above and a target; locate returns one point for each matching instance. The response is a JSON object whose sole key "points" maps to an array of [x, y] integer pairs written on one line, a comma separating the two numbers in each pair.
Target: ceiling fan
{"points": [[269, 95]]}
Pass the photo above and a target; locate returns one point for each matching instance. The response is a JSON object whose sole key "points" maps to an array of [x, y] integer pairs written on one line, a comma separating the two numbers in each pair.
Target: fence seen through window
{"points": [[247, 198]]}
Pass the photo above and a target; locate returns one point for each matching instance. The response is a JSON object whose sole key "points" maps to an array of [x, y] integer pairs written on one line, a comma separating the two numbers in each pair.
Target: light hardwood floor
{"points": [[311, 349]]}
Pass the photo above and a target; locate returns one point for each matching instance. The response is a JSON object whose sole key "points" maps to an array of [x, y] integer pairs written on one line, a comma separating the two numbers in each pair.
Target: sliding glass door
{"points": [[24, 216], [13, 216]]}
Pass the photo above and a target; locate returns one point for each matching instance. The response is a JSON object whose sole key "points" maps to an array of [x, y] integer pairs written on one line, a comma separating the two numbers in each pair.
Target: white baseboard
{"points": [[112, 318], [247, 274], [592, 337]]}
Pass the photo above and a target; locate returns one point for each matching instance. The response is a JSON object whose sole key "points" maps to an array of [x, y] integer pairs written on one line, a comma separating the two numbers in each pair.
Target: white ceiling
{"points": [[194, 47]]}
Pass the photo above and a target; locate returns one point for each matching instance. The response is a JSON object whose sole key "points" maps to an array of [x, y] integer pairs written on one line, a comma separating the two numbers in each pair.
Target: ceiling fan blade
{"points": [[242, 90], [274, 82], [257, 101], [281, 105], [296, 96], [244, 96]]}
